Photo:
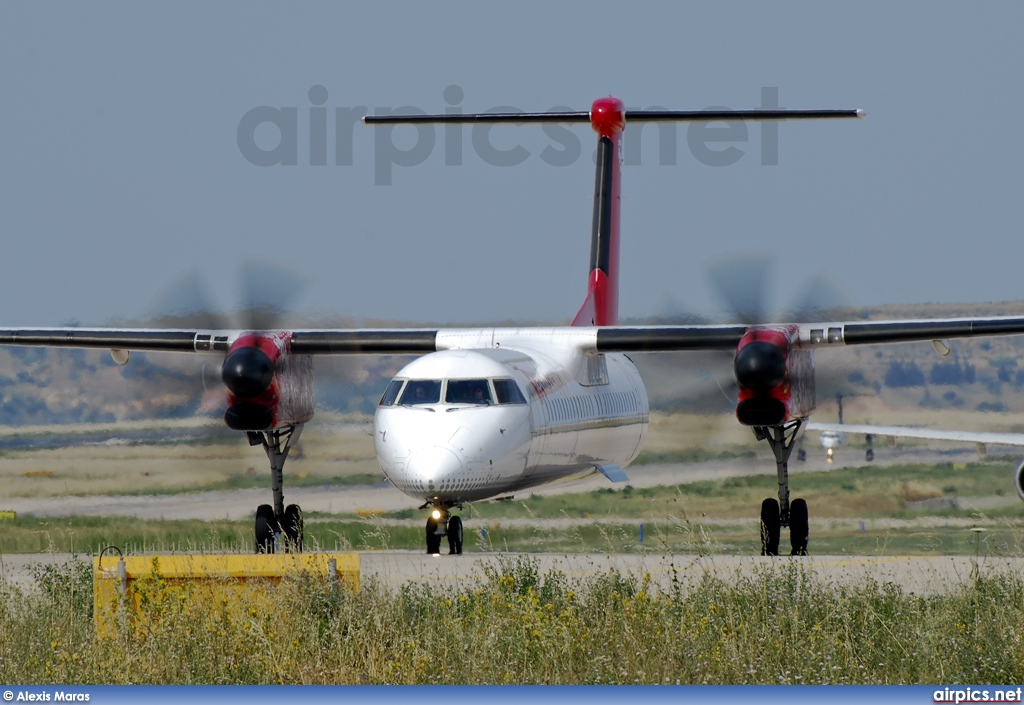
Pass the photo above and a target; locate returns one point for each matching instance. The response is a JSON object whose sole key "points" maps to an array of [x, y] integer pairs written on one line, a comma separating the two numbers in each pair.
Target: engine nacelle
{"points": [[775, 378], [1018, 480], [268, 387]]}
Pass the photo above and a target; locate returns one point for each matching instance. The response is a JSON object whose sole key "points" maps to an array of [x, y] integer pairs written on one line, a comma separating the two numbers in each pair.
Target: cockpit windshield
{"points": [[421, 391], [468, 391], [508, 392], [391, 393], [482, 392]]}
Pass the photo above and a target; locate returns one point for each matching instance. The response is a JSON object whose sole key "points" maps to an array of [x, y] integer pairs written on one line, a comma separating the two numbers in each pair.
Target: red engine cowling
{"points": [[268, 387], [775, 378]]}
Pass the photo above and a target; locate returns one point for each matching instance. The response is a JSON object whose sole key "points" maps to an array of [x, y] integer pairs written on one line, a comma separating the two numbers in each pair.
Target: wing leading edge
{"points": [[399, 341], [812, 335], [415, 341]]}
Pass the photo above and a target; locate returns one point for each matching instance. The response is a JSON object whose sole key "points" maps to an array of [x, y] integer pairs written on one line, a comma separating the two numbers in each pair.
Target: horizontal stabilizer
{"points": [[630, 116], [613, 473]]}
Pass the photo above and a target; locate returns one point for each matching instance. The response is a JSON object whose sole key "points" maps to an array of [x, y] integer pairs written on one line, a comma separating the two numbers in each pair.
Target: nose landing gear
{"points": [[442, 524]]}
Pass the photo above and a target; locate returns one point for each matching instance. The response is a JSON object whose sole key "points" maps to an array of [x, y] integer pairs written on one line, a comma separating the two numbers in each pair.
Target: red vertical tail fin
{"points": [[601, 307]]}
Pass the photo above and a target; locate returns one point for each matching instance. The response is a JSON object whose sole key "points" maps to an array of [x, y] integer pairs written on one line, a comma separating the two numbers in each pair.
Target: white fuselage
{"points": [[500, 410]]}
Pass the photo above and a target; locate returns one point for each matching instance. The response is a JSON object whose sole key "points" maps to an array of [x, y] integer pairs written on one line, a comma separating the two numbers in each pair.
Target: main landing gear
{"points": [[441, 524], [776, 514], [278, 528]]}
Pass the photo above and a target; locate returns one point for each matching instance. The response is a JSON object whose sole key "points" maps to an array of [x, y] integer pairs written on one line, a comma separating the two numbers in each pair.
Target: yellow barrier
{"points": [[122, 587], [8, 514]]}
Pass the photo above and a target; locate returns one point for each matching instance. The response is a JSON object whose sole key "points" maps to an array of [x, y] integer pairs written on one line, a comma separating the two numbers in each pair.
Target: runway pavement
{"points": [[918, 574]]}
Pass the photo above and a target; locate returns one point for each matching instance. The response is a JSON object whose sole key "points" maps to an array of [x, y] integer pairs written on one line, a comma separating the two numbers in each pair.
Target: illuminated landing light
{"points": [[830, 452], [436, 514]]}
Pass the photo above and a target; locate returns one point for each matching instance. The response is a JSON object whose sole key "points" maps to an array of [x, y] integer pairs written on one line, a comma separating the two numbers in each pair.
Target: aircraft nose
{"points": [[434, 465]]}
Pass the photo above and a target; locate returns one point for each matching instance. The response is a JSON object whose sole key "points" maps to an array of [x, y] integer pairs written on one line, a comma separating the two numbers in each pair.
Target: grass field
{"points": [[338, 449], [691, 517], [868, 510], [780, 625]]}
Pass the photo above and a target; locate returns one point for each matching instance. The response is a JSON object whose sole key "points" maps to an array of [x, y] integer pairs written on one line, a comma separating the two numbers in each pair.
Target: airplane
{"points": [[834, 435], [486, 412]]}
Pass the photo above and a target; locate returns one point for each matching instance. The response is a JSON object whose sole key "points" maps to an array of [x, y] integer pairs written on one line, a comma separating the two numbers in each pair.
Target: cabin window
{"points": [[468, 391], [391, 393], [508, 392], [421, 391]]}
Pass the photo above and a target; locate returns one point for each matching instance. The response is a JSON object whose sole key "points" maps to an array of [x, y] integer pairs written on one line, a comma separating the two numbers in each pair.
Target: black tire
{"points": [[266, 527], [770, 527], [869, 455], [455, 536], [293, 526], [799, 527], [433, 540], [801, 455]]}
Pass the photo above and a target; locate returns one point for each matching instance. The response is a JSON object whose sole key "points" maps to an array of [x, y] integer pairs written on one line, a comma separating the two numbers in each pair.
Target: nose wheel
{"points": [[442, 524], [278, 528], [454, 534]]}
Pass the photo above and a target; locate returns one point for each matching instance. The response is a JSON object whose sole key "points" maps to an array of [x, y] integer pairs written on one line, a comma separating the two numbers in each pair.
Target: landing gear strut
{"points": [[442, 524], [278, 527], [777, 514]]}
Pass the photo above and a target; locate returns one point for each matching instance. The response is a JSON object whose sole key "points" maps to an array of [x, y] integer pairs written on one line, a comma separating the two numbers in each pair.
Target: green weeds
{"points": [[517, 625]]}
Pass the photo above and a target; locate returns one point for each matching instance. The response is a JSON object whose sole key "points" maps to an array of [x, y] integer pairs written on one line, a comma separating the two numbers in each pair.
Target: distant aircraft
{"points": [[834, 436], [486, 412]]}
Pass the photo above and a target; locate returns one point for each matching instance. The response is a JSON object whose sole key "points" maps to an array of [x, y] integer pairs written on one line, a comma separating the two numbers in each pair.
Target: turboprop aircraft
{"points": [[486, 412], [833, 436]]}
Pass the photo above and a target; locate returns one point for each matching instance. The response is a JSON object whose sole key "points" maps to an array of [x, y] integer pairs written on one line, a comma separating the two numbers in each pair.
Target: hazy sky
{"points": [[120, 165]]}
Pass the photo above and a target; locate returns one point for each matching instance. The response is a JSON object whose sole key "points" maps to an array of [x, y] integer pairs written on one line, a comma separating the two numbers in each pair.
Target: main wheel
{"points": [[770, 527], [266, 526], [799, 528], [869, 454], [292, 525], [455, 536], [433, 540]]}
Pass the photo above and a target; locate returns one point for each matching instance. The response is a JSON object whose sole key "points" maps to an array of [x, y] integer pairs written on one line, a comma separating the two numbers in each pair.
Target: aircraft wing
{"points": [[406, 341], [397, 341], [811, 335], [1005, 439]]}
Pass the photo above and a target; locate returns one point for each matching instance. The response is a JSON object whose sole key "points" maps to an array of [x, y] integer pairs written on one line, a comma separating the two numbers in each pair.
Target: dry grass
{"points": [[780, 625], [335, 445]]}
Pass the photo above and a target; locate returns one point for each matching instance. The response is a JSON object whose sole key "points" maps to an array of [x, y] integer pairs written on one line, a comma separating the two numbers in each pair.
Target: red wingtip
{"points": [[608, 116]]}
